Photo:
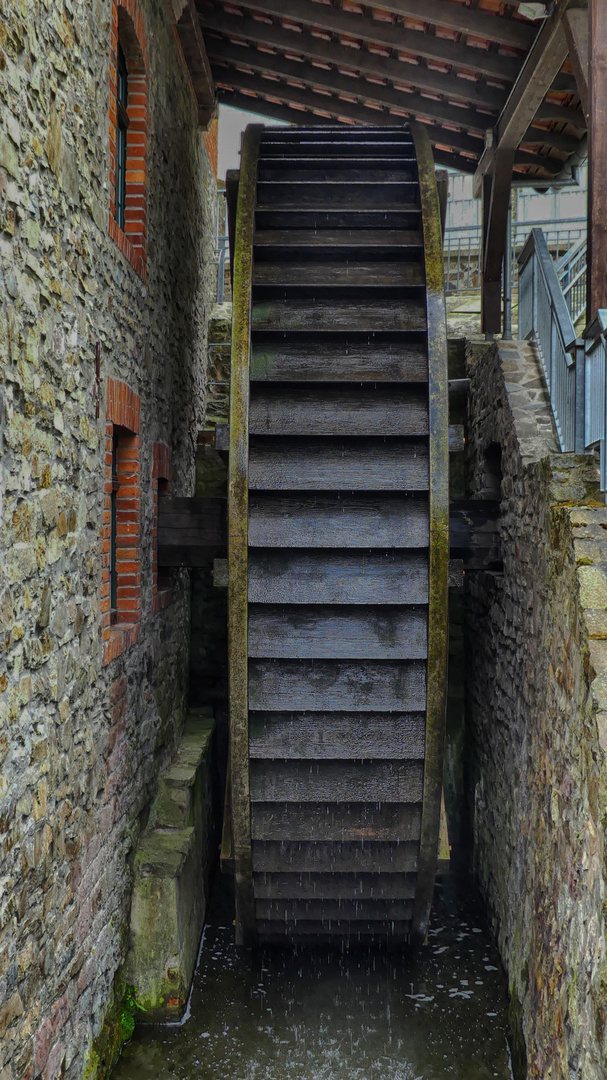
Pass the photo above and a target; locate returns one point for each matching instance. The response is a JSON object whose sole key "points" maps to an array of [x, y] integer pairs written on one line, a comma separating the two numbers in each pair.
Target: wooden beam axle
{"points": [[192, 532]]}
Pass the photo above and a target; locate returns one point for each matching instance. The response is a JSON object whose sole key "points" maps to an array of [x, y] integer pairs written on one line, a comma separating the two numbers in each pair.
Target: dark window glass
{"points": [[165, 574], [122, 123]]}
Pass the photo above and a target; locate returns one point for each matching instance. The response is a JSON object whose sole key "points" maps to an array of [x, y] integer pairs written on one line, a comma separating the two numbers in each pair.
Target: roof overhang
{"points": [[475, 75]]}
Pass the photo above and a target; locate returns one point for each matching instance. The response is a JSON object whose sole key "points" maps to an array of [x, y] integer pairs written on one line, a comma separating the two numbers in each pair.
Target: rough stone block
{"points": [[593, 586], [596, 622], [220, 323], [180, 800], [599, 692], [598, 655], [601, 723]]}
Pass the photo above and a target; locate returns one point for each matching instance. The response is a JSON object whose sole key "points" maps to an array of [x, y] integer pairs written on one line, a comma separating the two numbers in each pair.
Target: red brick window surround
{"points": [[162, 580], [128, 32], [121, 530]]}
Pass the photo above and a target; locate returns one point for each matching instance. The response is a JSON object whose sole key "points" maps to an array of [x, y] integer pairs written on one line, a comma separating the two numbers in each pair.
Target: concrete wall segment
{"points": [[81, 744]]}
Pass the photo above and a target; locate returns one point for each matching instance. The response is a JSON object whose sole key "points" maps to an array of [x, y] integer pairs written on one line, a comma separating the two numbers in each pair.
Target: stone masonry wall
{"points": [[536, 656], [83, 730]]}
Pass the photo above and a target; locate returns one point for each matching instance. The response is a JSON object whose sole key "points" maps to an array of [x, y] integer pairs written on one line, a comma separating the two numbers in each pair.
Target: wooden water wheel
{"points": [[338, 534]]}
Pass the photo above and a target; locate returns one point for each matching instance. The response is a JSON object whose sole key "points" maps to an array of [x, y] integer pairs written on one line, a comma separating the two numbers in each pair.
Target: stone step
{"points": [[179, 799], [162, 853]]}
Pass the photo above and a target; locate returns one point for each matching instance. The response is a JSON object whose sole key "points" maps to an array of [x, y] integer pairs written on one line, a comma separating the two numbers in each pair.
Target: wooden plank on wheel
{"points": [[297, 886], [331, 736], [341, 410], [280, 856], [336, 781], [337, 577], [345, 361], [338, 520], [337, 631], [337, 464], [325, 910], [339, 316], [328, 821], [337, 685]]}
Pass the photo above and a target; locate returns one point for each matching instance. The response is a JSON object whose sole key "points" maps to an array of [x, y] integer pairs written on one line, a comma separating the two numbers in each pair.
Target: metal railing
{"points": [[222, 244], [571, 272], [574, 368], [543, 314], [222, 251], [595, 410], [462, 246]]}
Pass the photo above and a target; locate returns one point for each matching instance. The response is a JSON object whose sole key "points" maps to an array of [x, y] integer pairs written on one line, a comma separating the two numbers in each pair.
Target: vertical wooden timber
{"points": [[597, 157], [495, 220], [577, 32], [439, 531], [238, 536], [442, 186], [232, 176]]}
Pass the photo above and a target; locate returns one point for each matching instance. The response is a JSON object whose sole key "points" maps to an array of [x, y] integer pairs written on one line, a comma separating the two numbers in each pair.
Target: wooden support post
{"points": [[577, 32], [232, 176], [496, 201], [597, 188], [190, 36], [442, 186], [487, 299], [543, 64]]}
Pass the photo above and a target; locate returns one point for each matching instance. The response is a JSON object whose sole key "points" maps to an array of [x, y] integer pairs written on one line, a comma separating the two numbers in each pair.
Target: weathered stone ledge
{"points": [[171, 872]]}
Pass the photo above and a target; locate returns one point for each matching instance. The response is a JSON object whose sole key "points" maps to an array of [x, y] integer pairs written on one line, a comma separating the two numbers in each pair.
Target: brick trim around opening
{"points": [[162, 586], [128, 30], [120, 628]]}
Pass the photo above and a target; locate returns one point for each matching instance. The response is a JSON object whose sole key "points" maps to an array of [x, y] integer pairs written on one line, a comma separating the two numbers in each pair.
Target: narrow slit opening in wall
{"points": [[165, 573]]}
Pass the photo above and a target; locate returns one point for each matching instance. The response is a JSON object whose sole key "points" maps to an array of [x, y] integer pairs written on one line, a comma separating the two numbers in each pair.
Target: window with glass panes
{"points": [[122, 124]]}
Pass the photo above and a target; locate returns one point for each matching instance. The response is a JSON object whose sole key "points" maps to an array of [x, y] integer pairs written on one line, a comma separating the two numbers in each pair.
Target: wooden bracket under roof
{"points": [[174, 9], [184, 17], [542, 65]]}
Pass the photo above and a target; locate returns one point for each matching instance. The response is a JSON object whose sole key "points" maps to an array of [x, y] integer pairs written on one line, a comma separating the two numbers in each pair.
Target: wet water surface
{"points": [[324, 1014]]}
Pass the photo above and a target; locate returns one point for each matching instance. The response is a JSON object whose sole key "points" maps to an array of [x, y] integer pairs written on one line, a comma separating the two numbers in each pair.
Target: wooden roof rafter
{"points": [[412, 104], [311, 98], [183, 18], [274, 37], [461, 116], [452, 66], [291, 114], [334, 107], [249, 30], [516, 33], [503, 68]]}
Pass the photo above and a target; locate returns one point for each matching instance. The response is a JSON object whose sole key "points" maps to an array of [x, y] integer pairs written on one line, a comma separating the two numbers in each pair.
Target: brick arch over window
{"points": [[128, 34]]}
